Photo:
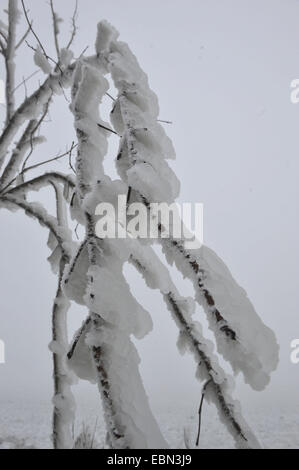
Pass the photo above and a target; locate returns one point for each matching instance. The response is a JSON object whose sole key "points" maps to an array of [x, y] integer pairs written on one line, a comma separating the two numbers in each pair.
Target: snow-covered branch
{"points": [[129, 425], [41, 181], [63, 400], [33, 106], [157, 276], [25, 143], [141, 163], [38, 212]]}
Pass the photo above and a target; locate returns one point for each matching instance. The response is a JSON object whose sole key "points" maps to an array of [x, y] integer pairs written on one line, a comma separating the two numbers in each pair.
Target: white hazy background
{"points": [[222, 71]]}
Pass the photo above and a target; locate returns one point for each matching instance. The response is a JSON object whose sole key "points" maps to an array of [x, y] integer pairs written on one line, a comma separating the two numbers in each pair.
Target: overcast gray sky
{"points": [[222, 71]]}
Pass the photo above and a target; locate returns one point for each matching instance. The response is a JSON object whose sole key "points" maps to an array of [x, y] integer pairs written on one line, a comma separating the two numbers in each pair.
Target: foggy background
{"points": [[222, 71]]}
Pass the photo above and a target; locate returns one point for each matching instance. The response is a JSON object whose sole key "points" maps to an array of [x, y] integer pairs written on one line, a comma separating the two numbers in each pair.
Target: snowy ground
{"points": [[28, 425]]}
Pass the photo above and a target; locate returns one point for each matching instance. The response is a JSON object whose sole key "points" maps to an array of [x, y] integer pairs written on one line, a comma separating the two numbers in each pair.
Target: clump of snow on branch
{"points": [[41, 61]]}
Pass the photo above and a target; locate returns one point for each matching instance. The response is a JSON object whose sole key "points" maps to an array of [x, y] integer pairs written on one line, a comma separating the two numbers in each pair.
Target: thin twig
{"points": [[26, 80], [76, 231], [58, 157], [107, 129], [32, 30], [200, 411], [46, 56], [94, 433], [165, 122], [2, 48], [33, 132], [70, 162], [83, 52], [37, 38], [37, 165], [25, 87], [24, 37], [3, 35], [108, 94]]}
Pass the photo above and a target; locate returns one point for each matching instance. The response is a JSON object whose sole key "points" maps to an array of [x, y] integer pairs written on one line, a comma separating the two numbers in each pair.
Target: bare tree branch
{"points": [[9, 59], [188, 328], [37, 38], [32, 30], [74, 26], [53, 159], [24, 36], [26, 80], [37, 165], [63, 418]]}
